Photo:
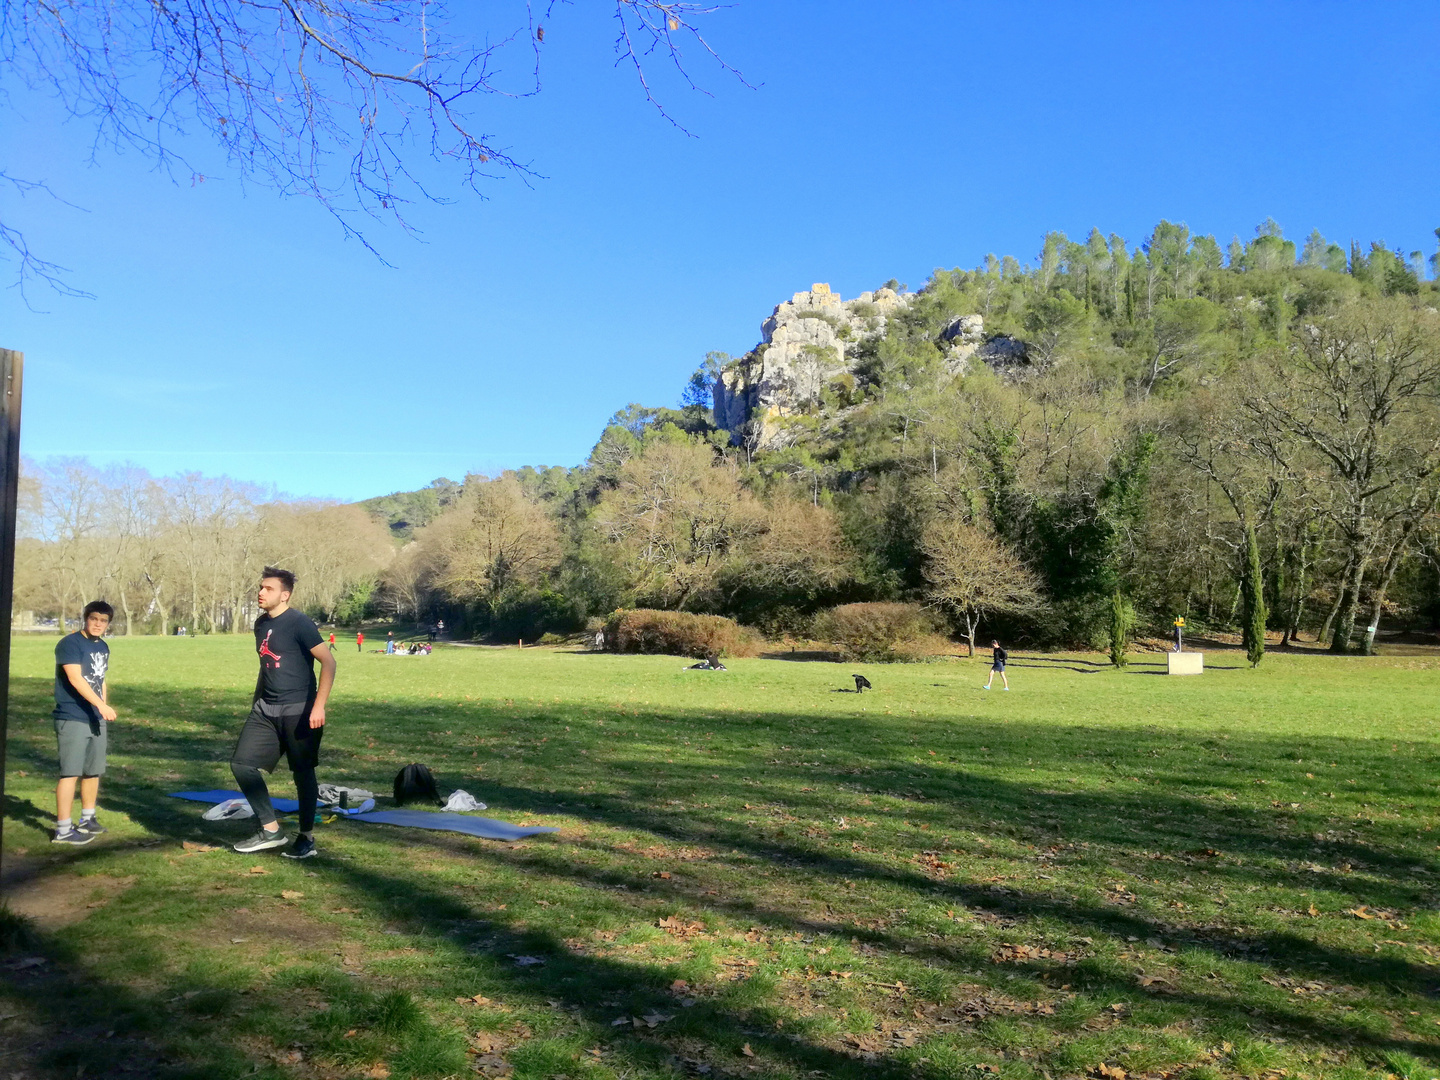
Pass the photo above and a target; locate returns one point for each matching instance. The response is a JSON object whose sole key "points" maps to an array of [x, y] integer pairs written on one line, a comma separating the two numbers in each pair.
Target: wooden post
{"points": [[12, 366]]}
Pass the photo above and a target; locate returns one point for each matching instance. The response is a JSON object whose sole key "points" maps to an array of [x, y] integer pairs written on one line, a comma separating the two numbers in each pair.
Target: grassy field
{"points": [[1100, 873]]}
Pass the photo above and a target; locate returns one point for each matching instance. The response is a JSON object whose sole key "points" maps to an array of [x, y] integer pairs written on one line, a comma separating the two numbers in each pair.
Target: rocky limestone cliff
{"points": [[802, 353]]}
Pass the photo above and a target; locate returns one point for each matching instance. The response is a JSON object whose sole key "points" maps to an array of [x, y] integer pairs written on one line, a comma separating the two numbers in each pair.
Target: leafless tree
{"points": [[336, 100]]}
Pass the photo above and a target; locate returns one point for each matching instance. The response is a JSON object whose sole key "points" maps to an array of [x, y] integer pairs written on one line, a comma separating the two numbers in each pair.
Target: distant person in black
{"points": [[998, 656], [288, 714]]}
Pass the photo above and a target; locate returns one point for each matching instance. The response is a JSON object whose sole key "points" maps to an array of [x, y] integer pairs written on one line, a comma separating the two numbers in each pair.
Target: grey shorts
{"points": [[82, 747]]}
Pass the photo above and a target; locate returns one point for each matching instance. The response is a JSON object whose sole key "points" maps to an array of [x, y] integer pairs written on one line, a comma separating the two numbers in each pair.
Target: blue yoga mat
{"points": [[488, 828]]}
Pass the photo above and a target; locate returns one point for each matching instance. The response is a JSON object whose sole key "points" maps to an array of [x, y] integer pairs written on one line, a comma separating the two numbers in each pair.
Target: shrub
{"points": [[680, 633], [877, 632]]}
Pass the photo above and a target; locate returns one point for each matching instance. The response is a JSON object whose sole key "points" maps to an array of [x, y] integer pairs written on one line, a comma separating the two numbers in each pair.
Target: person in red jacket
{"points": [[359, 641]]}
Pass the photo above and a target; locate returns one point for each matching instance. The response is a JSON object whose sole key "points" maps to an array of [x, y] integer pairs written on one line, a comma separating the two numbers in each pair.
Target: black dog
{"points": [[861, 684]]}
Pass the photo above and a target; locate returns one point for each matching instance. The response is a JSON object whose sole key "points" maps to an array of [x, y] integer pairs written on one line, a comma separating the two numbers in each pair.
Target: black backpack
{"points": [[414, 783]]}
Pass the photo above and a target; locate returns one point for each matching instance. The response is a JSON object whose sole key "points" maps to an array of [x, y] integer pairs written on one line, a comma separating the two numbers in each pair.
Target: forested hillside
{"points": [[1072, 451], [1121, 435]]}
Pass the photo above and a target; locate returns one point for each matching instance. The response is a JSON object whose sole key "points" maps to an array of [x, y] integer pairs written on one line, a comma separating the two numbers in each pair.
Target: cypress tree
{"points": [[1253, 596], [1119, 629]]}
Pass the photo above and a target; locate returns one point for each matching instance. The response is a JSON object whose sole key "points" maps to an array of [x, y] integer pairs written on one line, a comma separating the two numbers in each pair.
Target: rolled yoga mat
{"points": [[405, 817]]}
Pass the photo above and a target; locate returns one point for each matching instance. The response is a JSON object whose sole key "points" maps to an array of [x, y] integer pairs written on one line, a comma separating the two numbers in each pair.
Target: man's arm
{"points": [[321, 652], [77, 680]]}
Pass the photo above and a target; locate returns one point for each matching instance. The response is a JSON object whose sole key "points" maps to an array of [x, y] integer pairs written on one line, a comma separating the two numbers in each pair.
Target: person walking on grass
{"points": [[359, 640], [82, 711], [287, 716], [998, 656]]}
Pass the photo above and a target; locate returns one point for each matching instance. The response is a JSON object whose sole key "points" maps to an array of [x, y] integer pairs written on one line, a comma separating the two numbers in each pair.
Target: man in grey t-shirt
{"points": [[82, 711]]}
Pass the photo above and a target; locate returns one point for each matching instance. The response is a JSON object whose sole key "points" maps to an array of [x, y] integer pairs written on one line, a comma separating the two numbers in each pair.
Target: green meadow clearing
{"points": [[1099, 873]]}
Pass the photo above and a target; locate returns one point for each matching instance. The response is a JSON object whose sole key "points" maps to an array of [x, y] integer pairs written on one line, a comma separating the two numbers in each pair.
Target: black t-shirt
{"points": [[287, 670], [93, 656], [1000, 655]]}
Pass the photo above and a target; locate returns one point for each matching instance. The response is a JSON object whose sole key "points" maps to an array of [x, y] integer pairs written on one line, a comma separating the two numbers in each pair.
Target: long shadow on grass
{"points": [[432, 911], [429, 914], [949, 796]]}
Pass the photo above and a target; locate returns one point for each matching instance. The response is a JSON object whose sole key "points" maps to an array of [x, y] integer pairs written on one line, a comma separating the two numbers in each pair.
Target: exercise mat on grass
{"points": [[487, 828]]}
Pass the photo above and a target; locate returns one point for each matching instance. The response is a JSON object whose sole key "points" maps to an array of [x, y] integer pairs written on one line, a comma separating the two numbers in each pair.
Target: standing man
{"points": [[359, 640], [998, 656], [82, 709], [288, 714]]}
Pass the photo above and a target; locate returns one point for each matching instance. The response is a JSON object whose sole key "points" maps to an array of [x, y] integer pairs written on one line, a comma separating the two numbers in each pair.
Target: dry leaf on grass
{"points": [[196, 848], [747, 1051], [291, 894], [257, 870]]}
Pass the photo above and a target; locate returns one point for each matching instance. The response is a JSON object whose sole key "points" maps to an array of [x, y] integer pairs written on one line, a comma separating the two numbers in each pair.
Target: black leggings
{"points": [[253, 787]]}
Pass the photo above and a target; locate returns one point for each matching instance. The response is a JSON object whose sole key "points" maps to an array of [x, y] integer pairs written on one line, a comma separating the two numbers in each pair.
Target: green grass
{"points": [[756, 874]]}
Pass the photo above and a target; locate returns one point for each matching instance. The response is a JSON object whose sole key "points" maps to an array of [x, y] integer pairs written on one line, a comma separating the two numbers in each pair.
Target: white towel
{"points": [[462, 801]]}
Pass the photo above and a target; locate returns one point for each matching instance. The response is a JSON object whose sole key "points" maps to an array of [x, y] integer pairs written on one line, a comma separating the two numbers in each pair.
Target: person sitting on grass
{"points": [[998, 656], [82, 711]]}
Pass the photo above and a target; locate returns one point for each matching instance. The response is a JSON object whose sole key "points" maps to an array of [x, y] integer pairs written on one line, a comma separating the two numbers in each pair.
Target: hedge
{"points": [[679, 633]]}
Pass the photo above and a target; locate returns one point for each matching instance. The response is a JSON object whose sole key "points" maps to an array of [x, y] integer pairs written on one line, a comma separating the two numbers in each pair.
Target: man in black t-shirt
{"points": [[998, 656], [288, 714]]}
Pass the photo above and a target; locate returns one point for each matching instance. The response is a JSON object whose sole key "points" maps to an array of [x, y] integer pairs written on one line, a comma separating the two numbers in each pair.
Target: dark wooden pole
{"points": [[12, 367]]}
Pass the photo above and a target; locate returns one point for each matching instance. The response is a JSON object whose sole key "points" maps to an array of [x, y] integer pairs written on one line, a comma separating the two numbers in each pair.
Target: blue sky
{"points": [[235, 331]]}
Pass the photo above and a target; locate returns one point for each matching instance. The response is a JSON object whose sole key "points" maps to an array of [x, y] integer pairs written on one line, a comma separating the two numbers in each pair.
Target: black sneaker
{"points": [[263, 841], [72, 836], [91, 827], [303, 848]]}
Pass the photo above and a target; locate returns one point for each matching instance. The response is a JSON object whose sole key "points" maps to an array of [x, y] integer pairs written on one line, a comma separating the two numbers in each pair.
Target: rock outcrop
{"points": [[802, 362], [801, 355]]}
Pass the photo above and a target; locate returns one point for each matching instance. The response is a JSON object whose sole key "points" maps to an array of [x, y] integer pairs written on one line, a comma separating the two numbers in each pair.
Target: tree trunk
{"points": [[971, 621], [1392, 563], [1253, 620], [1292, 627], [1324, 638], [1349, 600], [125, 610]]}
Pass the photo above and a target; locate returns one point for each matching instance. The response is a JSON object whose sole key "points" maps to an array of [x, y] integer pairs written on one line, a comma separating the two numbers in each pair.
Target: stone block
{"points": [[1184, 663]]}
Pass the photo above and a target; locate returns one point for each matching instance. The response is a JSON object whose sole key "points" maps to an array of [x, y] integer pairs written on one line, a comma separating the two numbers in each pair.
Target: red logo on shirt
{"points": [[264, 650]]}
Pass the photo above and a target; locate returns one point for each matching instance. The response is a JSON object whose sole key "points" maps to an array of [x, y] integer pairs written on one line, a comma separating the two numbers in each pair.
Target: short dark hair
{"points": [[99, 607], [285, 577]]}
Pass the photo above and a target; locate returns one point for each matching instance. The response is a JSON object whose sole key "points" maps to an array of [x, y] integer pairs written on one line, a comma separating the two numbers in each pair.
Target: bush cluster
{"points": [[680, 633], [878, 632]]}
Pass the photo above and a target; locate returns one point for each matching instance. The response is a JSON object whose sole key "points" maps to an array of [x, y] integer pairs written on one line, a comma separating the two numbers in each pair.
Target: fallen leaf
{"points": [[1314, 910], [291, 894], [258, 870], [679, 986], [195, 848], [747, 1051], [377, 1072], [1360, 912]]}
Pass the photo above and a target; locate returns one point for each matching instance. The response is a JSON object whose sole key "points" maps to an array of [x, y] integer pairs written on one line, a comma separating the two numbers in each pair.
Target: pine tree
{"points": [[1253, 595]]}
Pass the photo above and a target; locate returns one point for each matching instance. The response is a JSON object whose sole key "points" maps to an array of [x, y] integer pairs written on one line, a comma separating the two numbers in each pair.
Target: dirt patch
{"points": [[55, 900], [262, 925]]}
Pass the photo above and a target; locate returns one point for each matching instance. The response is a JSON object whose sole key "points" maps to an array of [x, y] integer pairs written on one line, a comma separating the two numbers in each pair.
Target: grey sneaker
{"points": [[303, 848], [91, 827], [72, 836], [263, 841]]}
